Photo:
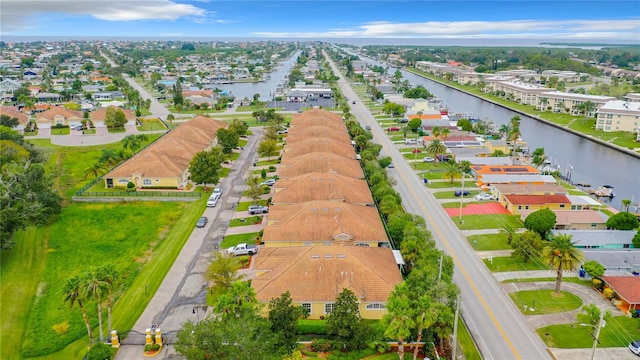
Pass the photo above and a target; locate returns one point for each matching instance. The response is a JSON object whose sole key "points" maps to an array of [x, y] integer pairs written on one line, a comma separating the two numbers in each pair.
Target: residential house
{"points": [[628, 290], [107, 95], [559, 102], [324, 222], [315, 275], [486, 160], [497, 145], [515, 90], [481, 170], [488, 180], [57, 115], [321, 186], [12, 111], [98, 116], [165, 163], [315, 117], [319, 145], [618, 115], [321, 162], [48, 97], [307, 133], [575, 219], [9, 86], [500, 190], [517, 203], [599, 239]]}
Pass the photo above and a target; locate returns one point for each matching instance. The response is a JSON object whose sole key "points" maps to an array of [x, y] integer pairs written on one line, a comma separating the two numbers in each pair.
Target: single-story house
{"points": [[47, 97], [107, 95], [57, 115], [517, 203], [321, 186], [320, 145], [575, 219], [165, 163], [600, 239], [98, 116], [628, 290], [321, 162], [488, 180], [486, 160], [307, 133], [12, 111], [315, 275]]}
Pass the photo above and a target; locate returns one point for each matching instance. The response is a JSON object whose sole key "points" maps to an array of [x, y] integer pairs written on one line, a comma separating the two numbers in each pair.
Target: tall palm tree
{"points": [[562, 256], [399, 319], [94, 170], [93, 287], [626, 203], [503, 130], [109, 275], [452, 171], [72, 291], [436, 148], [426, 315], [435, 132], [445, 133]]}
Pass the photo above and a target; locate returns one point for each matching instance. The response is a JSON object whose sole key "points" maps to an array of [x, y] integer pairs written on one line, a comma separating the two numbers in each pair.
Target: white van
{"points": [[213, 200]]}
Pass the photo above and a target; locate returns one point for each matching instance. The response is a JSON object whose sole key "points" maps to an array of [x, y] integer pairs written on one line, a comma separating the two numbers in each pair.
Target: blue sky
{"points": [[559, 20]]}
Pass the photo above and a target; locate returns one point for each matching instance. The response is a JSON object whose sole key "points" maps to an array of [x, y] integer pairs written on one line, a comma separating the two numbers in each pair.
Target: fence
{"points": [[141, 194]]}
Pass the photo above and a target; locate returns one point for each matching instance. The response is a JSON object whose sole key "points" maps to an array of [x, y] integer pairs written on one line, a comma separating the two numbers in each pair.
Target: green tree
{"points": [[414, 124], [178, 98], [393, 109], [593, 268], [562, 256], [344, 320], [205, 165], [255, 189], [239, 127], [93, 288], [239, 298], [509, 231], [622, 221], [99, 351], [436, 148], [268, 148], [541, 221], [8, 121], [134, 142], [115, 118], [73, 293], [109, 275], [170, 119], [418, 92], [227, 139], [426, 315], [452, 171], [283, 316], [222, 272], [526, 246], [399, 320], [625, 203]]}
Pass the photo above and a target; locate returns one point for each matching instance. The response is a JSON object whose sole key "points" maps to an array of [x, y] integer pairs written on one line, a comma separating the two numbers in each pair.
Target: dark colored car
{"points": [[462, 193], [442, 158]]}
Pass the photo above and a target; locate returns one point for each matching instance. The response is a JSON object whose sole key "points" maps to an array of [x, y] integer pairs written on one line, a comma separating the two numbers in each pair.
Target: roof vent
{"points": [[315, 256], [342, 256], [328, 256], [314, 209]]}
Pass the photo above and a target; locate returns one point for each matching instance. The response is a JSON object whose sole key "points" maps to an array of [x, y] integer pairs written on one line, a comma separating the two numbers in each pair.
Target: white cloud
{"points": [[16, 13], [604, 29]]}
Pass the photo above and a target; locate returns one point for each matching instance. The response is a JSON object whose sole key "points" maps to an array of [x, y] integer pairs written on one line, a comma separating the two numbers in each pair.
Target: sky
{"points": [[559, 20]]}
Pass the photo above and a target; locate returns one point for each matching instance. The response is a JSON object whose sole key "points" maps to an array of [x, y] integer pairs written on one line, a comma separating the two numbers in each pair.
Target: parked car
{"points": [[282, 132], [367, 127], [258, 209], [484, 196], [217, 191], [428, 159], [213, 200], [635, 347], [391, 166], [268, 182], [242, 249], [410, 141], [353, 102], [393, 128], [404, 121], [202, 222], [442, 158], [461, 193]]}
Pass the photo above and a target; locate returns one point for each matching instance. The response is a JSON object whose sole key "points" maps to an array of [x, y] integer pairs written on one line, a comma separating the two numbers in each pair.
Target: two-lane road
{"points": [[496, 324]]}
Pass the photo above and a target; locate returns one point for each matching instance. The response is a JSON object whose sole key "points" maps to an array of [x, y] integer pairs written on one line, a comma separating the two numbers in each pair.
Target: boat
{"points": [[583, 184], [602, 192]]}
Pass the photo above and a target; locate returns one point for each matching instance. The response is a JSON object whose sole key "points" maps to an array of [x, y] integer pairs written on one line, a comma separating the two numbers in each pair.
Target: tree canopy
{"points": [[540, 221], [115, 118], [205, 165], [622, 221]]}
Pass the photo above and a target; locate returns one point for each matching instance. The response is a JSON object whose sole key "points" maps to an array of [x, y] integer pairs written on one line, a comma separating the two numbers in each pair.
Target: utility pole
{"points": [[455, 329], [597, 335]]}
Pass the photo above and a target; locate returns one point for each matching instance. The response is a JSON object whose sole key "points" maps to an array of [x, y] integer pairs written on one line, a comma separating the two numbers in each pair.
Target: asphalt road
{"points": [[493, 320]]}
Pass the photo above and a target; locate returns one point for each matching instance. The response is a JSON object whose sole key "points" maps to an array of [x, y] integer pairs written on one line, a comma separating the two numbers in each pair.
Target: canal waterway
{"points": [[581, 159], [266, 88]]}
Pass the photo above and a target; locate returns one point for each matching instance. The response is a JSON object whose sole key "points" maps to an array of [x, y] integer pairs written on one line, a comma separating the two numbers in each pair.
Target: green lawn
{"points": [[245, 221], [244, 206], [617, 333], [545, 301], [489, 242], [268, 162], [570, 279], [233, 240], [449, 184], [60, 131], [150, 125], [451, 194], [465, 341], [507, 263], [476, 222]]}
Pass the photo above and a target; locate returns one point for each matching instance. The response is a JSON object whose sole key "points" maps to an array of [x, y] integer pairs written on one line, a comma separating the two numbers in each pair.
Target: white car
{"points": [[213, 200], [635, 347], [269, 182], [428, 159], [217, 191], [484, 196]]}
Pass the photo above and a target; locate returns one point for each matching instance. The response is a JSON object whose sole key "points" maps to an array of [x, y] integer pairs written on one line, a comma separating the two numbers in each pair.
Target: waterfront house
{"points": [[324, 222], [628, 290], [315, 275], [559, 102], [482, 170], [517, 203], [500, 190], [618, 115], [321, 186], [165, 163]]}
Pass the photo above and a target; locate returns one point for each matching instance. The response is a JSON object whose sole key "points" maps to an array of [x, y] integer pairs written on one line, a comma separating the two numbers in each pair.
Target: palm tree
{"points": [[509, 231], [561, 255], [503, 130], [435, 132], [452, 171], [398, 318], [436, 148], [95, 170], [72, 291], [626, 203], [109, 276], [93, 288], [426, 316], [444, 133]]}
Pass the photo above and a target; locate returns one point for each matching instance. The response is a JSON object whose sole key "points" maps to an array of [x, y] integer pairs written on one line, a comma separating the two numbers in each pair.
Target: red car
{"points": [[393, 129]]}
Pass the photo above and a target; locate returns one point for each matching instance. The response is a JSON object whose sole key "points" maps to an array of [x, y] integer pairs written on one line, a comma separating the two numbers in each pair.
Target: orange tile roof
{"points": [[324, 220], [320, 273], [321, 162], [205, 93], [321, 186], [425, 116], [628, 287], [59, 111], [317, 117], [170, 156], [13, 112], [537, 199], [101, 114], [318, 145], [316, 131], [105, 79]]}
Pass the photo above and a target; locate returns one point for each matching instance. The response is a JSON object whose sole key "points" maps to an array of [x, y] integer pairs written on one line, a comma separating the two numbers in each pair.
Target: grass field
{"points": [[570, 279], [60, 131], [245, 221], [545, 301], [619, 331], [489, 242], [150, 125], [475, 222], [507, 263], [233, 240], [452, 194]]}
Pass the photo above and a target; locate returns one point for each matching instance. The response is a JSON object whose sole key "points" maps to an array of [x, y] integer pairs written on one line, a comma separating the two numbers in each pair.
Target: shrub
{"points": [[316, 327], [99, 351], [321, 345], [155, 347], [608, 293], [131, 186], [244, 260], [272, 168], [309, 353], [61, 328], [597, 284]]}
